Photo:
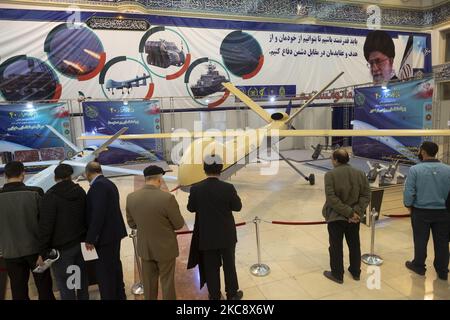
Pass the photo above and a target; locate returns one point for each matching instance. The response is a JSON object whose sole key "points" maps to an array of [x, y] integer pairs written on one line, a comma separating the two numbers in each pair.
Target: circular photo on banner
{"points": [[242, 54], [124, 77], [76, 52], [25, 78], [165, 52], [204, 79]]}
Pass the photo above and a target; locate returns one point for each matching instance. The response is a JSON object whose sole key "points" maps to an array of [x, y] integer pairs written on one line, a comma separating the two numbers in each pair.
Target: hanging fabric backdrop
{"points": [[44, 55]]}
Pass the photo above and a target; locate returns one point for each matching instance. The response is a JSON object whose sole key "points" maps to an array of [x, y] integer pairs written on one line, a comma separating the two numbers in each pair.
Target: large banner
{"points": [[49, 55], [401, 106], [106, 118], [24, 131]]}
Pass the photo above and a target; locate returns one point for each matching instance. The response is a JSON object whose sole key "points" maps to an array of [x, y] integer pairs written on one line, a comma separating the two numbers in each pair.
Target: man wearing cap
{"points": [[379, 51], [156, 215]]}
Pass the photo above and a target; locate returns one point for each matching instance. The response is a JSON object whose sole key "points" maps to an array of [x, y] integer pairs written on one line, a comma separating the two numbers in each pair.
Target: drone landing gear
{"points": [[311, 178]]}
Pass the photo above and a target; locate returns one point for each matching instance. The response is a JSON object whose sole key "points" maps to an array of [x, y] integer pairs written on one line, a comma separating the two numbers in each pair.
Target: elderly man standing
{"points": [[347, 194], [156, 215], [426, 189]]}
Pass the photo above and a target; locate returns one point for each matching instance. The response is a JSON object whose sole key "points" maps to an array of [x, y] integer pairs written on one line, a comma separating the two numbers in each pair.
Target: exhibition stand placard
{"points": [[404, 105], [25, 135], [140, 117]]}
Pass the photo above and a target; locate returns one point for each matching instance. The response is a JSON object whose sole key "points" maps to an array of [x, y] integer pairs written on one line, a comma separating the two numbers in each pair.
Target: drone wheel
{"points": [[312, 179]]}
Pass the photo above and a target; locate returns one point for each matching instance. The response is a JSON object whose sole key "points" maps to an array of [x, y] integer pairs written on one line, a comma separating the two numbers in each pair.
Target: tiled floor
{"points": [[297, 255]]}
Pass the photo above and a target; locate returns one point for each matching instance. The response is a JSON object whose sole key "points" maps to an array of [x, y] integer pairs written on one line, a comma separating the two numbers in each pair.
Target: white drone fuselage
{"points": [[45, 178]]}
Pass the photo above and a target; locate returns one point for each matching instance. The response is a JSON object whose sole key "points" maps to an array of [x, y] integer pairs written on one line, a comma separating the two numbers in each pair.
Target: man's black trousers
{"points": [[437, 221], [212, 260], [336, 231], [109, 273]]}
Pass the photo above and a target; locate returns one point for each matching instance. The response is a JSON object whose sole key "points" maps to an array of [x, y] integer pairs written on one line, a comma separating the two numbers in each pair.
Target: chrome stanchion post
{"points": [[371, 258], [259, 269], [138, 287]]}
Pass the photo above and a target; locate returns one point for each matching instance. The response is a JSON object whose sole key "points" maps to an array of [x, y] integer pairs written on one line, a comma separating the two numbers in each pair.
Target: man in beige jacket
{"points": [[156, 215]]}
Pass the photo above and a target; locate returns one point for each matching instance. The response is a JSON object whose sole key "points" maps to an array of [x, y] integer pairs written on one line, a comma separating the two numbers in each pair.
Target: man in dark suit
{"points": [[214, 238], [106, 229]]}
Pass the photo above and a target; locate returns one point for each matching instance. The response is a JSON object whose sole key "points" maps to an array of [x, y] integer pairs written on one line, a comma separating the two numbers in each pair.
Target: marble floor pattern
{"points": [[297, 255]]}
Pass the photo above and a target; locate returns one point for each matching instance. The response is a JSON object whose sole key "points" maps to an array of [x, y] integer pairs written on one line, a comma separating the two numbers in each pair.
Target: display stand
{"points": [[376, 199], [3, 278]]}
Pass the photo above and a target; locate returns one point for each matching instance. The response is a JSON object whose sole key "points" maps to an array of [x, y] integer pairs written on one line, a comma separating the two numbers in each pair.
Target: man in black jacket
{"points": [[106, 228], [19, 216], [62, 226], [447, 204], [214, 238]]}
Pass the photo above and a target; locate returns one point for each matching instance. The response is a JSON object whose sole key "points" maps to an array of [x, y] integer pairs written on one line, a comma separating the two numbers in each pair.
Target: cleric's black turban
{"points": [[379, 41]]}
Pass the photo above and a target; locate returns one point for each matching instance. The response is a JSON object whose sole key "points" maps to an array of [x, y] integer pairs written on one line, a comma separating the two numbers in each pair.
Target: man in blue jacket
{"points": [[426, 190], [106, 228]]}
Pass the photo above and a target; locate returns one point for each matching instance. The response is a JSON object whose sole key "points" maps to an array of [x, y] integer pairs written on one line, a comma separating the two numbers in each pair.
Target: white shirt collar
{"points": [[92, 182]]}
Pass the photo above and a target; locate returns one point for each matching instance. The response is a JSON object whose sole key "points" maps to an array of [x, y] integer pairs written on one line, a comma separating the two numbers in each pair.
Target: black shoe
{"points": [[330, 276], [238, 296], [413, 268], [215, 297], [355, 277], [443, 276]]}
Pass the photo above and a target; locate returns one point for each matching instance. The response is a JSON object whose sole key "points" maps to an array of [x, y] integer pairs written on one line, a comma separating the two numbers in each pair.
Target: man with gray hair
{"points": [[347, 195], [156, 215]]}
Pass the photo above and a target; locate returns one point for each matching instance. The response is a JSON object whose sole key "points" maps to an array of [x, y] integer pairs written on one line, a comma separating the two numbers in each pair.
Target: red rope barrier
{"points": [[184, 232], [190, 231], [406, 215], [2, 270], [299, 223]]}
